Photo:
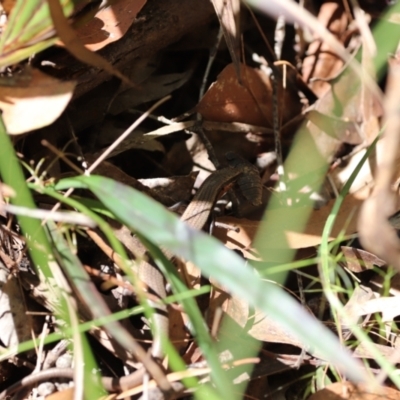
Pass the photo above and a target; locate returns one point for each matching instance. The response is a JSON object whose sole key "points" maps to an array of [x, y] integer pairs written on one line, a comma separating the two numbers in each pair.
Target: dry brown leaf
{"points": [[363, 351], [341, 174], [346, 222], [69, 38], [261, 327], [241, 239], [15, 325], [358, 260], [339, 128], [388, 306], [350, 391], [152, 89], [67, 394], [228, 101], [322, 62], [256, 324], [350, 314], [178, 333], [109, 24], [8, 5], [40, 100], [362, 302], [346, 91], [376, 234]]}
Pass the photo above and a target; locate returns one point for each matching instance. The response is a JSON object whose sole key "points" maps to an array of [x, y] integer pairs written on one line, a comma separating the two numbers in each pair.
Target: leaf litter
{"points": [[247, 101]]}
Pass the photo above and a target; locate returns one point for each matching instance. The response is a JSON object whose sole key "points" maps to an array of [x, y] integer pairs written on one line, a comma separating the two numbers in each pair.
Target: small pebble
{"points": [[64, 361], [46, 388], [63, 386]]}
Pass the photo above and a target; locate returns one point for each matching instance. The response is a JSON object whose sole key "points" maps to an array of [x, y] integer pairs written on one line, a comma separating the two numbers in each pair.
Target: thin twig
{"points": [[113, 146]]}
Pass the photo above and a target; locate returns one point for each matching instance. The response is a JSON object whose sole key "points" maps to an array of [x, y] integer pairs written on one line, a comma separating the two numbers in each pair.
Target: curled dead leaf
{"points": [[110, 24], [350, 391], [40, 99], [228, 101], [256, 323], [321, 63], [67, 394], [346, 223], [358, 260]]}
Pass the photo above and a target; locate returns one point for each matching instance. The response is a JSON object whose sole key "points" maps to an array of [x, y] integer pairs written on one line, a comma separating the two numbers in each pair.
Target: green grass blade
{"points": [[29, 30], [39, 245], [326, 273], [166, 230], [76, 274], [11, 174]]}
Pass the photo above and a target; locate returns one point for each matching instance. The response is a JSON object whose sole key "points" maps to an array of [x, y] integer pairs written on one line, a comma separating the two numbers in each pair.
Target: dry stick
{"points": [[108, 279], [198, 129], [211, 59], [69, 217], [152, 366], [300, 360], [276, 127], [114, 145], [106, 249], [279, 36], [54, 354], [116, 258], [275, 114], [228, 13], [61, 156], [126, 134], [363, 26], [260, 31], [67, 373], [207, 144]]}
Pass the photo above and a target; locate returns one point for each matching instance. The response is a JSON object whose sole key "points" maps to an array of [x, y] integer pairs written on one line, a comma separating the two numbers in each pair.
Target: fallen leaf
{"points": [[350, 314], [109, 132], [256, 323], [73, 44], [321, 63], [29, 29], [155, 88], [8, 5], [350, 391], [388, 306], [15, 324], [338, 128], [346, 223], [109, 24], [40, 99], [67, 394], [358, 260], [228, 101], [363, 351], [262, 327]]}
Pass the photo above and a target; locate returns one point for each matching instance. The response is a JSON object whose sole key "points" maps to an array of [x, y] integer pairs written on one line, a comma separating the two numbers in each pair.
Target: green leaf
{"points": [[84, 359], [29, 30], [150, 219]]}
